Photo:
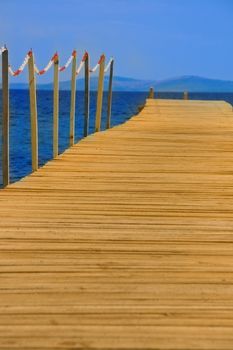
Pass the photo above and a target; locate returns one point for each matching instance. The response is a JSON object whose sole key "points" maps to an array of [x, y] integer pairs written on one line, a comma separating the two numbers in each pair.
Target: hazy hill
{"points": [[194, 84], [189, 83], [119, 84]]}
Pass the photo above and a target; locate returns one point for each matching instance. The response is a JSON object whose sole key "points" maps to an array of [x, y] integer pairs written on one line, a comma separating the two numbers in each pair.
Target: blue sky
{"points": [[150, 39]]}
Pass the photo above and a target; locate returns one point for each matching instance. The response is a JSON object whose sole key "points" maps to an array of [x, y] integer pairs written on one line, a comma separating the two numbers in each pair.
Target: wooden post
{"points": [[55, 106], [108, 124], [73, 99], [86, 96], [5, 119], [186, 95], [33, 112], [151, 93], [100, 94]]}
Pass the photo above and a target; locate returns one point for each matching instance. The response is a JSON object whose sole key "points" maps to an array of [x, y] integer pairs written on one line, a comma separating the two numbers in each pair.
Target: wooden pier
{"points": [[125, 241]]}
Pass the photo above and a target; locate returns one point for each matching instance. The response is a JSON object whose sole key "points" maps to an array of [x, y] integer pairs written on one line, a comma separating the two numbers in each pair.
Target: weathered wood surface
{"points": [[125, 241], [5, 119]]}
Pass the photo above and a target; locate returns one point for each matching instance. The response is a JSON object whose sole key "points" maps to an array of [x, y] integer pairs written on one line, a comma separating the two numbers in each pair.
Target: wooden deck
{"points": [[126, 240]]}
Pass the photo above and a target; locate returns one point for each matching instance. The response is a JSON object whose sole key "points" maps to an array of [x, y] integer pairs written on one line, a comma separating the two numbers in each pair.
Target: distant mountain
{"points": [[179, 84], [119, 84], [194, 84]]}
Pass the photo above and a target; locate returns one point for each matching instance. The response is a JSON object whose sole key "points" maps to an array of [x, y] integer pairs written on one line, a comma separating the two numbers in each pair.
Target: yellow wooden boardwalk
{"points": [[126, 240]]}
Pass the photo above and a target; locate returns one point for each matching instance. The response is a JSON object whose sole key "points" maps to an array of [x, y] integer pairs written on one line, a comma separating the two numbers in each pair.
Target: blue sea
{"points": [[124, 105]]}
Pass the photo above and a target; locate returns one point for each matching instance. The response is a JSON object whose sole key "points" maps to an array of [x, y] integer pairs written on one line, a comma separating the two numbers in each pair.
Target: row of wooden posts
{"points": [[152, 94], [33, 107]]}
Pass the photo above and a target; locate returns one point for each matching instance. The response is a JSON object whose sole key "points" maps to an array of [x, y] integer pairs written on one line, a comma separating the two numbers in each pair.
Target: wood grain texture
{"points": [[125, 241], [109, 105], [56, 107], [5, 119], [72, 99], [33, 112], [86, 96], [99, 103]]}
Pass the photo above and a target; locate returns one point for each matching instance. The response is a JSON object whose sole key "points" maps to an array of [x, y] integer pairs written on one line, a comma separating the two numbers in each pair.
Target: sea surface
{"points": [[124, 105]]}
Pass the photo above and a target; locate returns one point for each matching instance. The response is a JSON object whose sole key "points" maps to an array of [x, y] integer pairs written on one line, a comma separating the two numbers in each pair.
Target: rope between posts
{"points": [[92, 70], [53, 60], [108, 65], [2, 49], [81, 63], [80, 67], [70, 59], [21, 68], [46, 68]]}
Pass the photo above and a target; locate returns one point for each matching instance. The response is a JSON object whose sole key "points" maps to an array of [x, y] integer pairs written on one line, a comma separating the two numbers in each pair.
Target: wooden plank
{"points": [[151, 93], [33, 112], [5, 120], [186, 95], [56, 107], [109, 107], [73, 100], [100, 94], [126, 337], [86, 96], [125, 240]]}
